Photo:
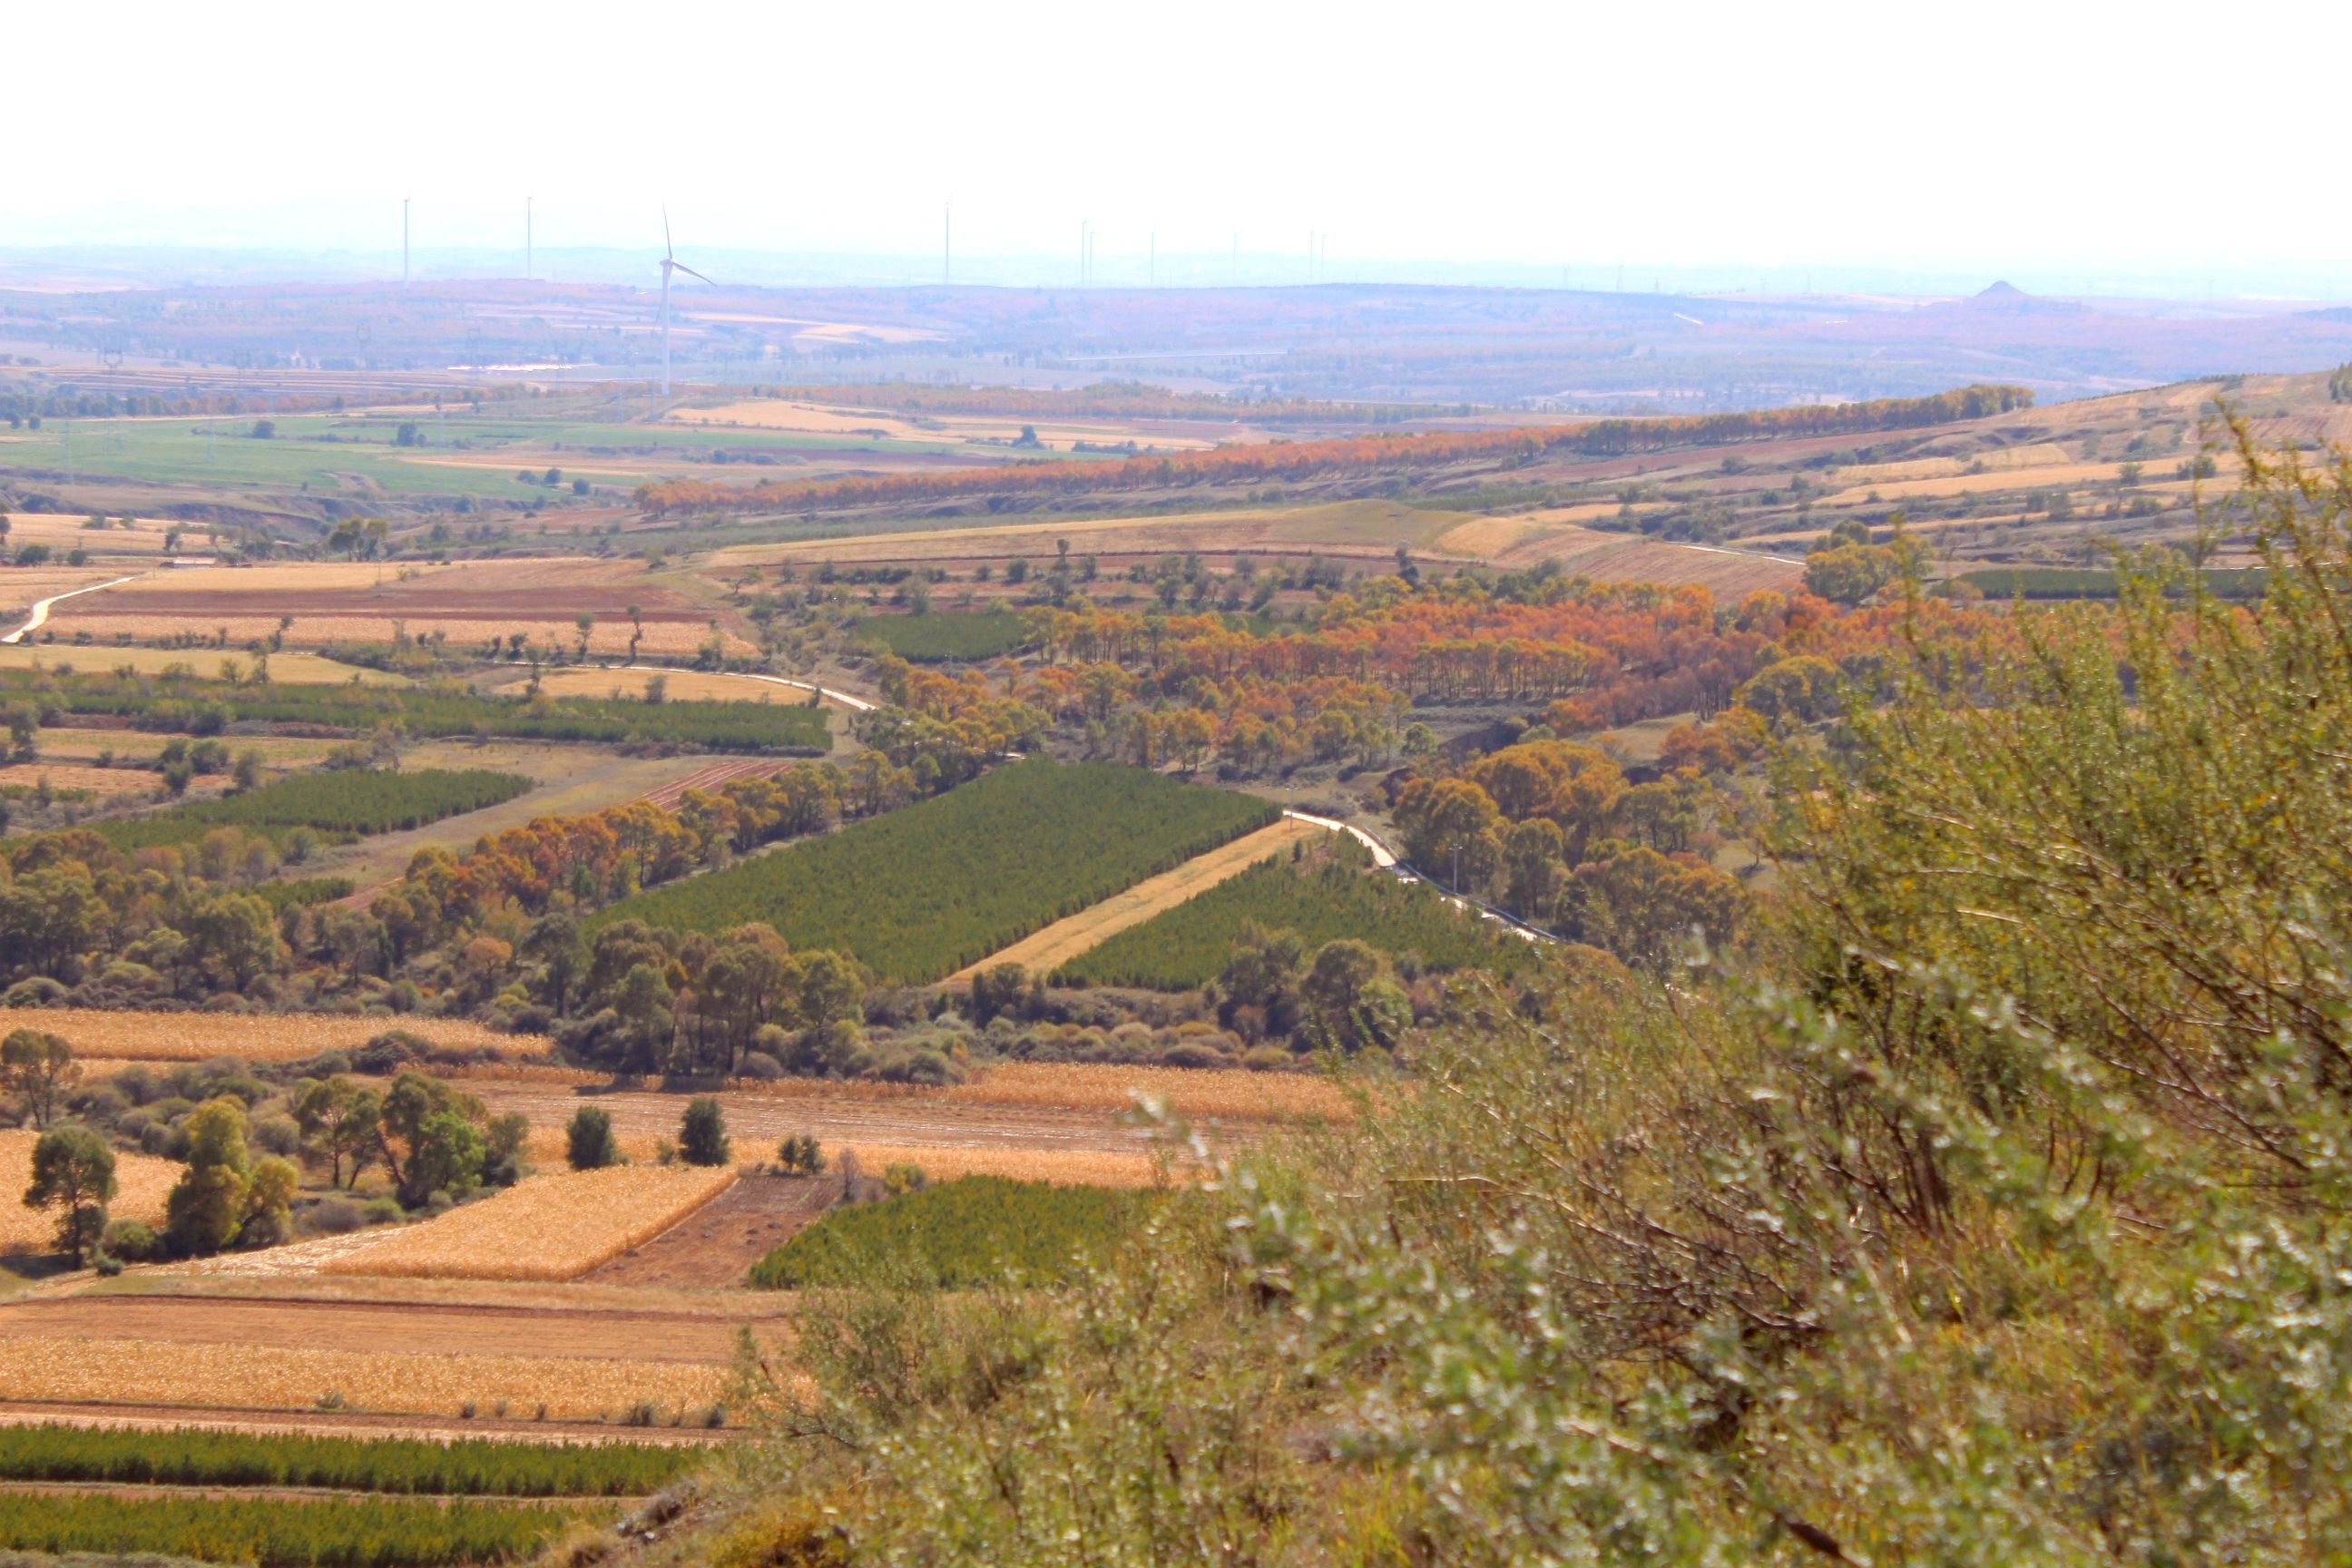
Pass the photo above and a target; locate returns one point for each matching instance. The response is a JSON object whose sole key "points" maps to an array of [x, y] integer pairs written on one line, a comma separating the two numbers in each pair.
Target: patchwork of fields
{"points": [[920, 892]]}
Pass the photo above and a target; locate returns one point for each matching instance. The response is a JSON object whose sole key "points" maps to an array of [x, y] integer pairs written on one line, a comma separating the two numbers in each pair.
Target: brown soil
{"points": [[342, 1423], [454, 1330], [717, 1243]]}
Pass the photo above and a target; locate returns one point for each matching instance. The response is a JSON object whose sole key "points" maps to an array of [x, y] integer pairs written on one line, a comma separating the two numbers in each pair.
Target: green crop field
{"points": [[271, 1533], [939, 636], [342, 805], [2071, 582], [197, 706], [921, 892], [1188, 946], [461, 455], [470, 1468], [976, 1232]]}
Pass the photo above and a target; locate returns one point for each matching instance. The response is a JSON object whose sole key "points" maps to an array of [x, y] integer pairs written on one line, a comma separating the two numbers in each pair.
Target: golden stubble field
{"points": [[547, 1228], [116, 1037]]}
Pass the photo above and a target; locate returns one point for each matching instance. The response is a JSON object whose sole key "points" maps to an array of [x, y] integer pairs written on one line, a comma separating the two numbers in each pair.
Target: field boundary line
{"points": [[1050, 946]]}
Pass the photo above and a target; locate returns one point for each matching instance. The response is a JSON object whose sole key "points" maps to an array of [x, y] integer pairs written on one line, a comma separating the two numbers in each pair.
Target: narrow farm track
{"points": [[1042, 951], [40, 613]]}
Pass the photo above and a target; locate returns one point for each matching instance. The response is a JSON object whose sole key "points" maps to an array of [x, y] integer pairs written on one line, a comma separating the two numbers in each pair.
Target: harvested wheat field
{"points": [[1222, 1094], [256, 1037], [66, 776], [679, 685], [303, 1377], [333, 601], [549, 1227], [1062, 1167], [141, 1182], [1042, 951], [286, 668]]}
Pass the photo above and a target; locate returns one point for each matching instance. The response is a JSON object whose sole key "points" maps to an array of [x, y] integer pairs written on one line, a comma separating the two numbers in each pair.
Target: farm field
{"points": [[921, 891], [65, 775], [679, 685], [470, 602], [1188, 945], [972, 1233], [982, 434], [1046, 950], [549, 1227], [279, 1533], [195, 1036], [342, 804], [935, 637], [286, 667]]}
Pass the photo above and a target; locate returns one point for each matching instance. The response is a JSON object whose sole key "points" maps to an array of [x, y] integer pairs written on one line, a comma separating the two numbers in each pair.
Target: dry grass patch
{"points": [[1063, 1167], [322, 630], [1229, 1096], [256, 1037], [94, 657], [76, 776], [141, 1182], [549, 1227], [246, 1377], [681, 685]]}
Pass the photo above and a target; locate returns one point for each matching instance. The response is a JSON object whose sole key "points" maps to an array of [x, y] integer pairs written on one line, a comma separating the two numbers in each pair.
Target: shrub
{"points": [[128, 1240], [588, 1141], [799, 1156], [702, 1136]]}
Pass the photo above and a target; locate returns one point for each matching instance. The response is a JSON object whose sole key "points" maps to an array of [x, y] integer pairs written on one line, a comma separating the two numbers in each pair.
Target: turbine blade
{"points": [[667, 249], [690, 273]]}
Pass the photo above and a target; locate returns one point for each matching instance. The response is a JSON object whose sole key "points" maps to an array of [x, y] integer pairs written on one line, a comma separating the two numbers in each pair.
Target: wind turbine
{"points": [[670, 263]]}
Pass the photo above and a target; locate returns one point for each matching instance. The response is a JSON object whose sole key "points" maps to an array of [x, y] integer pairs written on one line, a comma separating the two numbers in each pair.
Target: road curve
{"points": [[41, 606]]}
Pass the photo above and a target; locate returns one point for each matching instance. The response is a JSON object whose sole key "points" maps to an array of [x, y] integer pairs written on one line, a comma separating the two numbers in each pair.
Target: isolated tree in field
{"points": [[702, 1135], [248, 776], [799, 1156], [409, 1107], [38, 1068], [637, 631], [1352, 1003], [73, 1172], [588, 1142], [583, 624]]}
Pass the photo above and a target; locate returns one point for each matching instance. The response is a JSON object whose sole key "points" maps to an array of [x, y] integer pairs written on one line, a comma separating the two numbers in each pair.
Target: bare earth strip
{"points": [[1042, 951]]}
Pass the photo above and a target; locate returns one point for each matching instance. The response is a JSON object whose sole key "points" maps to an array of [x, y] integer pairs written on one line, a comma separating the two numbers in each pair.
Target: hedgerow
{"points": [[923, 891], [271, 1533], [978, 1231], [342, 803], [1188, 946], [472, 1467]]}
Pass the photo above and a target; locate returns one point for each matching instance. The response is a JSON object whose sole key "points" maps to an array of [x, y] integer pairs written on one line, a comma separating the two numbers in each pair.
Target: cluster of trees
{"points": [[1845, 568], [740, 1003], [1361, 455], [1555, 833]]}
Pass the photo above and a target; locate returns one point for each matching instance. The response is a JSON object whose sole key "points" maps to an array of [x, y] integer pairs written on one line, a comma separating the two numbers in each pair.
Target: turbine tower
{"points": [[670, 263]]}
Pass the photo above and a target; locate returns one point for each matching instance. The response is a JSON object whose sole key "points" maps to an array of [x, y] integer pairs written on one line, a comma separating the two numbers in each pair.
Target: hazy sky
{"points": [[1785, 134]]}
